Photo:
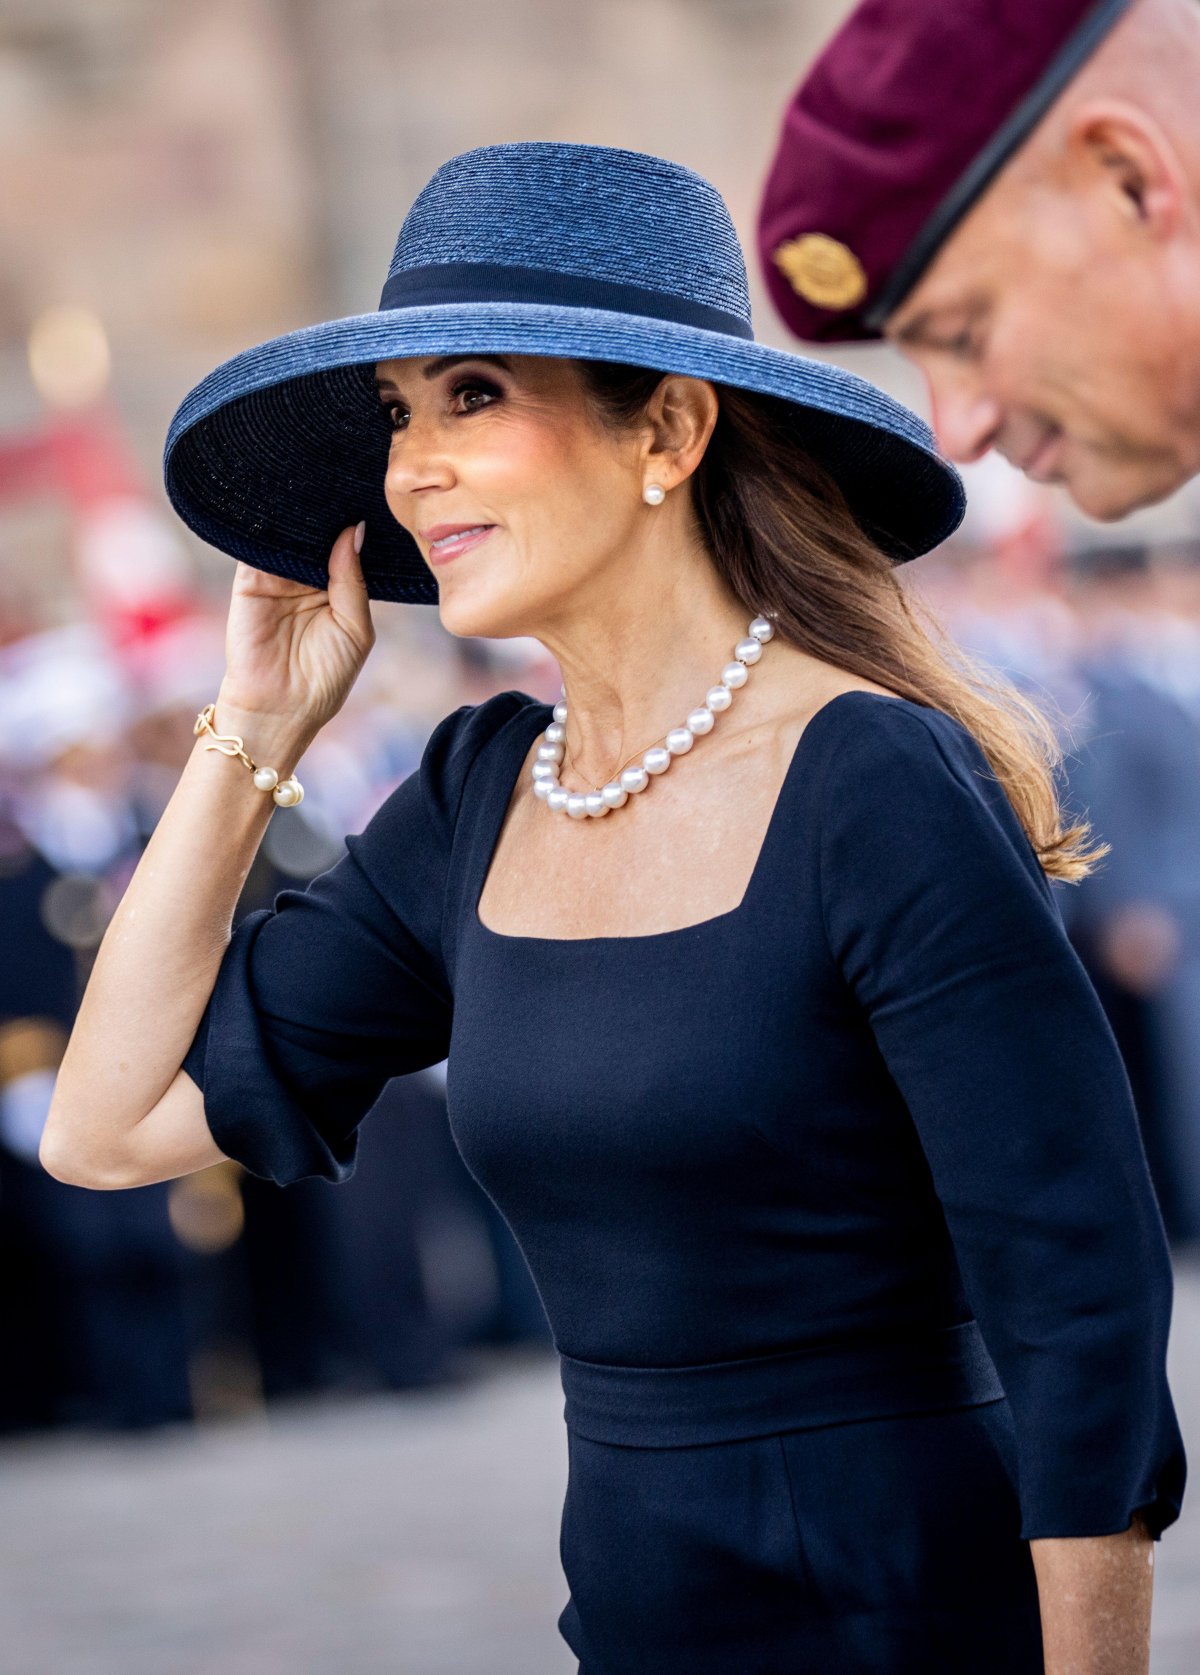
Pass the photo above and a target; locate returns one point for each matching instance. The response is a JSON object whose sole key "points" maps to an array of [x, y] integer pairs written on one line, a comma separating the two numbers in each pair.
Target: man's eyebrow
{"points": [[444, 363]]}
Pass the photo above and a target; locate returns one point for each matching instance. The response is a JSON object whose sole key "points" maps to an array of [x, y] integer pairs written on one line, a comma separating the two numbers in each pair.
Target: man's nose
{"points": [[966, 420]]}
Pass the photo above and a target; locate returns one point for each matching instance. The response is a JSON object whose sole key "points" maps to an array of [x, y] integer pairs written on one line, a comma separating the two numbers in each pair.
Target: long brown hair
{"points": [[782, 536]]}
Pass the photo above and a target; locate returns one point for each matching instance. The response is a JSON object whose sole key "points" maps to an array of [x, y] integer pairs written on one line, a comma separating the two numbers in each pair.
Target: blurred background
{"points": [[318, 1429]]}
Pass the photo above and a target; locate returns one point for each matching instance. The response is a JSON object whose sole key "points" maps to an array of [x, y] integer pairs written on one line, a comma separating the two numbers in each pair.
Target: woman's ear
{"points": [[679, 422]]}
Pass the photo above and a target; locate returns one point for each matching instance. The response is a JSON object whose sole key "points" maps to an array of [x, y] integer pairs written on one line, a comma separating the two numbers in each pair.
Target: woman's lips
{"points": [[447, 541]]}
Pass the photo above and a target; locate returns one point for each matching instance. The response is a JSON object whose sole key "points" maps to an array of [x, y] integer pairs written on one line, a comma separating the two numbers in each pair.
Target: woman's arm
{"points": [[1095, 1594], [943, 925], [325, 996], [123, 1112]]}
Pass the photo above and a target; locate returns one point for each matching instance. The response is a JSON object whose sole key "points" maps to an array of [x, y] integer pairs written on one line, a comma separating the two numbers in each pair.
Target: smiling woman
{"points": [[783, 1071], [472, 437]]}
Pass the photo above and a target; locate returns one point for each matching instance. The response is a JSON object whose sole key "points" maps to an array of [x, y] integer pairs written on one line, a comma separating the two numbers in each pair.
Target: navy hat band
{"points": [[451, 282]]}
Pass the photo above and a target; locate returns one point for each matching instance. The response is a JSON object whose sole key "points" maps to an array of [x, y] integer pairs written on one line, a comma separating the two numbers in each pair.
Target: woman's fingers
{"points": [[348, 599]]}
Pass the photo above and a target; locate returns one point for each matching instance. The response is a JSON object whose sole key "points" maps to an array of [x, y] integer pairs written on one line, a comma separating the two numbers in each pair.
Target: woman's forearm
{"points": [[1095, 1594], [157, 964]]}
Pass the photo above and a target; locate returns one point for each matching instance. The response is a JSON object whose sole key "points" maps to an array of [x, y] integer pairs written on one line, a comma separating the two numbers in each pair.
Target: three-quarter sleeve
{"points": [[944, 927], [338, 987]]}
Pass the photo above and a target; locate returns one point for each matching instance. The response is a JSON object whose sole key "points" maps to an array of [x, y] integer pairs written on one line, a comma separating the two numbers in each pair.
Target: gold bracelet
{"points": [[287, 793]]}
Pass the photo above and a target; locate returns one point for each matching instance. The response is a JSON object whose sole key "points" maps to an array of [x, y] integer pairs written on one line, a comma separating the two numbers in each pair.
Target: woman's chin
{"points": [[470, 618]]}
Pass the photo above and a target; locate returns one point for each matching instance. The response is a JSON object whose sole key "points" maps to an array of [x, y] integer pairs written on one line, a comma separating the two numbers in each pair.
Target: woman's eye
{"points": [[470, 397], [465, 397]]}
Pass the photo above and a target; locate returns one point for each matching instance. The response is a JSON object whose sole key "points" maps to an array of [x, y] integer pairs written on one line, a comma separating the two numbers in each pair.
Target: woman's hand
{"points": [[293, 652]]}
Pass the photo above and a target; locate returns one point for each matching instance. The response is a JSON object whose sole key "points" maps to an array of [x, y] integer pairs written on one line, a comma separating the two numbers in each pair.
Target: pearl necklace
{"points": [[656, 760]]}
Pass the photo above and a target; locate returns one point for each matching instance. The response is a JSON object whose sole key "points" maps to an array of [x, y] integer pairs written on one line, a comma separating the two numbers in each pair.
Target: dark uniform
{"points": [[1135, 769]]}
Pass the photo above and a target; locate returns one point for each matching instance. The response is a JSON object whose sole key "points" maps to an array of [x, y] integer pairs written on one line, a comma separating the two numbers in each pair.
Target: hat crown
{"points": [[589, 212]]}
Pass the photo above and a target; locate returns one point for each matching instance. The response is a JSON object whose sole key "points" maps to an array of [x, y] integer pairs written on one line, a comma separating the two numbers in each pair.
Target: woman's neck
{"points": [[634, 666]]}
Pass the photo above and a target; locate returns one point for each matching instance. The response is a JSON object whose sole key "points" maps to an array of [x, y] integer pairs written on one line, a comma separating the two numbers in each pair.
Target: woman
{"points": [[778, 1062]]}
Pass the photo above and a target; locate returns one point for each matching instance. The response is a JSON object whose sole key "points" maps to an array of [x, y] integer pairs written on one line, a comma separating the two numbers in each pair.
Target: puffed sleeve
{"points": [[946, 930], [324, 996]]}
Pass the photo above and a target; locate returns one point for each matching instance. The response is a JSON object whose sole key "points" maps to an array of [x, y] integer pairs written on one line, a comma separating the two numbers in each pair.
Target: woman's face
{"points": [[519, 498]]}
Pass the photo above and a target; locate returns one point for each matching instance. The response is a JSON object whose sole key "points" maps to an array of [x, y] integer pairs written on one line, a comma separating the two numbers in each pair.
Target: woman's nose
{"points": [[418, 460]]}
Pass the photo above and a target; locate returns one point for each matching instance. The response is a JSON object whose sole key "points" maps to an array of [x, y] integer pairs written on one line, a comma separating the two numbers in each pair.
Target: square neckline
{"points": [[697, 925]]}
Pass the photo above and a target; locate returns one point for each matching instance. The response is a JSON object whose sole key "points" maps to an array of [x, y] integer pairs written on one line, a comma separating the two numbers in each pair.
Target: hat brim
{"points": [[283, 446]]}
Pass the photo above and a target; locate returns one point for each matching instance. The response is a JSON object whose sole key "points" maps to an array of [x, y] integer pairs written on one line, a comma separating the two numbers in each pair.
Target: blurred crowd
{"points": [[218, 1293]]}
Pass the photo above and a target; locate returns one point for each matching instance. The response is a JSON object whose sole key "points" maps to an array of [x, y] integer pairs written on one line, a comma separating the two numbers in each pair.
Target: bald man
{"points": [[1010, 193]]}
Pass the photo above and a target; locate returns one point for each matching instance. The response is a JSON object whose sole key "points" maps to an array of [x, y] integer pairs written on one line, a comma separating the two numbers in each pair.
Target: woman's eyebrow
{"points": [[443, 364]]}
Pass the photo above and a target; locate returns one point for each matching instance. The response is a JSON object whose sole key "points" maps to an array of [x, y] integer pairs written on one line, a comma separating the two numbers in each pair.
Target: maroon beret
{"points": [[902, 122]]}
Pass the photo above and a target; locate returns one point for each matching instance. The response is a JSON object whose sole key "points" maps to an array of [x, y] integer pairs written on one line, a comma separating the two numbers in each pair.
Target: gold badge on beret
{"points": [[822, 270]]}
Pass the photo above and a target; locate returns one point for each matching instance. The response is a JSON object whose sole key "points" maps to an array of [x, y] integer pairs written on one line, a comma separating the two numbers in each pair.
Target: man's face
{"points": [[1051, 328]]}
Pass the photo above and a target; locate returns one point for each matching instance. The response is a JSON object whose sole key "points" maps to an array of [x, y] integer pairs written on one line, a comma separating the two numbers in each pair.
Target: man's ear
{"points": [[1135, 161], [680, 418]]}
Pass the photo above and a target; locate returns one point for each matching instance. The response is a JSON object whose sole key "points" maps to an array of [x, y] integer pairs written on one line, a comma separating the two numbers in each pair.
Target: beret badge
{"points": [[822, 270]]}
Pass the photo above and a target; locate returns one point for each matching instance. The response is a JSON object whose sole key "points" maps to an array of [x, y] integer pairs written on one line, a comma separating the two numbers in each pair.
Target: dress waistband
{"points": [[723, 1401]]}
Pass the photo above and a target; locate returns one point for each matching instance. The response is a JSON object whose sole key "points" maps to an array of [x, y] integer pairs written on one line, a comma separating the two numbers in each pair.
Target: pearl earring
{"points": [[654, 494]]}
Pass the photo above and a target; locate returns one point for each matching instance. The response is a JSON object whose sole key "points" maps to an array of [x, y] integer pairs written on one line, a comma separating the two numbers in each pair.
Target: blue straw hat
{"points": [[532, 249]]}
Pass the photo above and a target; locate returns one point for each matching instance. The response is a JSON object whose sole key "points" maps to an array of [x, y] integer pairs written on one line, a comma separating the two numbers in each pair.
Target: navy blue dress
{"points": [[836, 1201]]}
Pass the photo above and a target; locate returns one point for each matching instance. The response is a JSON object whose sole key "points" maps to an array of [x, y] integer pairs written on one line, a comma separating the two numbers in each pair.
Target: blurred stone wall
{"points": [[399, 89]]}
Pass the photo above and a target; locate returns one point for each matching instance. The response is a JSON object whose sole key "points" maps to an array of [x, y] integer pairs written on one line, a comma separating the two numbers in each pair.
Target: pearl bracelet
{"points": [[287, 793]]}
